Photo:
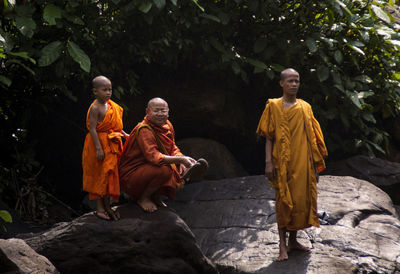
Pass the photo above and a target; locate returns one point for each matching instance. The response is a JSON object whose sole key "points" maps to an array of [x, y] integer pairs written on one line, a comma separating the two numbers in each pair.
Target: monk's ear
{"points": [[147, 111], [94, 91], [281, 83]]}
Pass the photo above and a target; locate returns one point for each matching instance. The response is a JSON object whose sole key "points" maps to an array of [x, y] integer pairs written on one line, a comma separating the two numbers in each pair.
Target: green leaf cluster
{"points": [[347, 53]]}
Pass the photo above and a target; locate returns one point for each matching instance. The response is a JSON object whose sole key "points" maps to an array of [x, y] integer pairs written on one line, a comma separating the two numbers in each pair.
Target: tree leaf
{"points": [[343, 6], [51, 13], [367, 116], [15, 61], [26, 26], [257, 63], [270, 74], [145, 6], [323, 73], [160, 4], [198, 5], [50, 53], [236, 68], [277, 67], [6, 216], [174, 2], [381, 14], [23, 54], [79, 56], [354, 98], [210, 17], [338, 56], [6, 81], [356, 49], [311, 44], [363, 79]]}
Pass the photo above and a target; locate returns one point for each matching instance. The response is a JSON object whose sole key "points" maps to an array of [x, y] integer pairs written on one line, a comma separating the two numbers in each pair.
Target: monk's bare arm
{"points": [[183, 160], [93, 119], [269, 167], [126, 135]]}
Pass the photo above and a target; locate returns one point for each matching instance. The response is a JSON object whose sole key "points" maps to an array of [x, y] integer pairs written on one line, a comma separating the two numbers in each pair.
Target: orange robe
{"points": [[141, 161], [298, 147], [100, 178]]}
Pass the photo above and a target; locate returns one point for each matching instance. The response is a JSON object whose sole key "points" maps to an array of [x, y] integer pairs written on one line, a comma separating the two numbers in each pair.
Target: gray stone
{"points": [[17, 257], [382, 173], [222, 164], [138, 243], [234, 223]]}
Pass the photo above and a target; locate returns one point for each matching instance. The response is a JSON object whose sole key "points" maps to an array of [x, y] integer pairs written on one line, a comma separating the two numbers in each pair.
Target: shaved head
{"points": [[156, 101], [100, 81], [289, 71]]}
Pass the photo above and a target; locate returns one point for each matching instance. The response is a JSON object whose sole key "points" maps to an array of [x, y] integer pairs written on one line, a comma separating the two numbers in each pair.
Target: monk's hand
{"points": [[187, 161], [317, 174], [100, 154], [269, 170]]}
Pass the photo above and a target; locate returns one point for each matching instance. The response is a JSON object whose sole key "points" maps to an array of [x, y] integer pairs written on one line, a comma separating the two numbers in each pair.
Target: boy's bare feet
{"points": [[102, 215], [295, 245], [283, 256], [114, 215], [147, 205]]}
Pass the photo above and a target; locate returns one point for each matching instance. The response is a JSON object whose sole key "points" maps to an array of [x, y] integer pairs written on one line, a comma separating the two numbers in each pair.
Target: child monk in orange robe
{"points": [[295, 152], [151, 163], [101, 150]]}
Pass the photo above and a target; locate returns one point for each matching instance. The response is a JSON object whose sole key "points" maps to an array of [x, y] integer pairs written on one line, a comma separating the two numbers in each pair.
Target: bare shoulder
{"points": [[94, 110]]}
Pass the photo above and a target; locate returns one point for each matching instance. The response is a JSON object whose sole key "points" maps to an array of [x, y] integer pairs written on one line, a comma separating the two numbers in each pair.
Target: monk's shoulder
{"points": [[273, 103], [305, 104], [115, 105]]}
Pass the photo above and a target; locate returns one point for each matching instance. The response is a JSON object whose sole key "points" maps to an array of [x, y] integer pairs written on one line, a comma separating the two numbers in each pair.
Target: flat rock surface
{"points": [[17, 257], [234, 223]]}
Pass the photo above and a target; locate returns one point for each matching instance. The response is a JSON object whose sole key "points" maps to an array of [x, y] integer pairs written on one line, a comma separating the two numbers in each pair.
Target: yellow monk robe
{"points": [[298, 147], [141, 161], [100, 178]]}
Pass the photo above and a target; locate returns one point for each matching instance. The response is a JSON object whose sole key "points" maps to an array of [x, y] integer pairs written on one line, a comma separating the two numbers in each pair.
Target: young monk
{"points": [[151, 164], [294, 156], [102, 147]]}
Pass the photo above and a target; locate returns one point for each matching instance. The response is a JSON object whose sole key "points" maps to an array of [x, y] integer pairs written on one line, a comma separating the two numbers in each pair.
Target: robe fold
{"points": [[141, 164], [298, 148], [100, 178]]}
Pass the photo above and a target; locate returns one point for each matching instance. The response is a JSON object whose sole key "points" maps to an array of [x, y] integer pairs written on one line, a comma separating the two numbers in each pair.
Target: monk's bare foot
{"points": [[157, 200], [147, 205], [114, 215], [283, 256], [297, 246]]}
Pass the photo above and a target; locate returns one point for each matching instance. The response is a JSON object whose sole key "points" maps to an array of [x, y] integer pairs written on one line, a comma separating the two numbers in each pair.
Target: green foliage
{"points": [[6, 217], [347, 53]]}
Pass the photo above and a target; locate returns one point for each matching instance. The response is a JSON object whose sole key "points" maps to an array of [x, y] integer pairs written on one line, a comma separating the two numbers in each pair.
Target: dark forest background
{"points": [[215, 62]]}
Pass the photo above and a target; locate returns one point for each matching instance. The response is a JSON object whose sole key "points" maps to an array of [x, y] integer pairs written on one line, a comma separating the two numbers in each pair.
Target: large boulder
{"points": [[17, 257], [382, 173], [222, 164], [235, 224], [138, 243]]}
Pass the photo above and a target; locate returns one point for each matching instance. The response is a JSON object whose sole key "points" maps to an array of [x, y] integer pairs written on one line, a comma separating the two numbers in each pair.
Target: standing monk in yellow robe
{"points": [[151, 164], [101, 150], [295, 152]]}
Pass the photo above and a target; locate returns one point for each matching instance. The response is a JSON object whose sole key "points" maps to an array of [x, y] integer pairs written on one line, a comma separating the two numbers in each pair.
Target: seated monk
{"points": [[151, 164]]}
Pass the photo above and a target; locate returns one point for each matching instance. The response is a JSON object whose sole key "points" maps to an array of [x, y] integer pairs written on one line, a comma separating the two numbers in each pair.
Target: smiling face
{"points": [[157, 111], [290, 82], [102, 89]]}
